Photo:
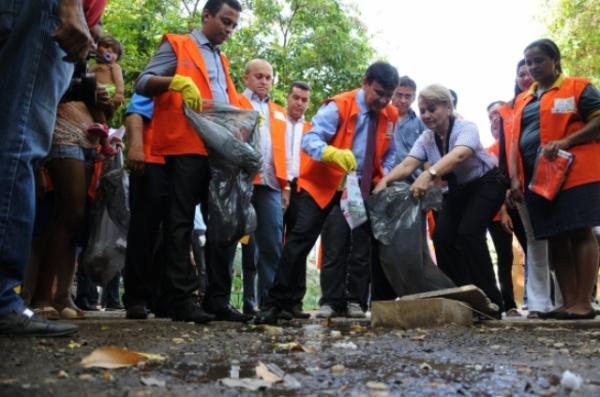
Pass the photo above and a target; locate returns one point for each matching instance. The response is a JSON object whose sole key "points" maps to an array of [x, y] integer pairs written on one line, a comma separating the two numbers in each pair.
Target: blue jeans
{"points": [[34, 77], [268, 237]]}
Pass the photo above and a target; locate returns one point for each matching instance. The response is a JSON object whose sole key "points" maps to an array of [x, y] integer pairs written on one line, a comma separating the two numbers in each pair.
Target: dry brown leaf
{"points": [[294, 347], [266, 374], [115, 357], [107, 376]]}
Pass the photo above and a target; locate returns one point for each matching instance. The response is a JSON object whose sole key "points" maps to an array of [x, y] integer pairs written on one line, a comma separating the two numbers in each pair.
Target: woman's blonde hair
{"points": [[437, 94]]}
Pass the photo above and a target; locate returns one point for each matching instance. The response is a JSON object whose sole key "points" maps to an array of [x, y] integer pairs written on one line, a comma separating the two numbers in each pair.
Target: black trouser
{"points": [[189, 176], [345, 269], [289, 220], [299, 242], [148, 197], [460, 233], [504, 254], [249, 259]]}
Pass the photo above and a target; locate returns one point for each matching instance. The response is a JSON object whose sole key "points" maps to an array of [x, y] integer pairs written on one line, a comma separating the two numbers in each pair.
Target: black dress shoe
{"points": [[249, 311], [27, 324], [136, 312], [268, 316], [228, 313], [576, 316], [190, 312], [114, 307], [296, 312]]}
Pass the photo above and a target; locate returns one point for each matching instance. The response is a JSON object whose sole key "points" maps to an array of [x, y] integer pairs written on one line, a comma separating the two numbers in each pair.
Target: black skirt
{"points": [[574, 208]]}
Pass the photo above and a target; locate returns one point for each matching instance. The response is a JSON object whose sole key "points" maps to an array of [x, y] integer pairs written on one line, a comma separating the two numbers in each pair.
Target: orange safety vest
{"points": [[559, 118], [148, 145], [173, 133], [506, 111], [321, 180], [304, 158], [277, 119]]}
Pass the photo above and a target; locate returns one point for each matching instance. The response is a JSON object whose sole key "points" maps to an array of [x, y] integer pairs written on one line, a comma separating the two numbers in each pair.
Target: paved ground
{"points": [[342, 357]]}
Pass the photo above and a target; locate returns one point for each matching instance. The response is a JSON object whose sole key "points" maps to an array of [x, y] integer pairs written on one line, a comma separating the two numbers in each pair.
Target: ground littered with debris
{"points": [[316, 358]]}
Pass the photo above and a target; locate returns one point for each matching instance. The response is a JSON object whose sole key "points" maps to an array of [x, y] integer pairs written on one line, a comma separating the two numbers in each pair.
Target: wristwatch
{"points": [[432, 171]]}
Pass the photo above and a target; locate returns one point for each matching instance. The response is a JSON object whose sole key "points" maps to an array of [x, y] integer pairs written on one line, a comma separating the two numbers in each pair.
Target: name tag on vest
{"points": [[564, 105], [278, 115], [390, 129]]}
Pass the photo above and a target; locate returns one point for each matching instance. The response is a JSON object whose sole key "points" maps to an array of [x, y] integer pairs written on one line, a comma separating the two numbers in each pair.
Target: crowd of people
{"points": [[56, 139]]}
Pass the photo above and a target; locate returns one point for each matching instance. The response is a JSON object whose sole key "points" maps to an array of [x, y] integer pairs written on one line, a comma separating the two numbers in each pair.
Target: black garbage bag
{"points": [[231, 137], [398, 222], [104, 255]]}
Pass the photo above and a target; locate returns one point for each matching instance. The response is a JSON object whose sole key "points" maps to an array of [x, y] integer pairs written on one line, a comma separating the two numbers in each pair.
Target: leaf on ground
{"points": [[152, 381], [178, 341], [263, 372], [419, 337], [246, 383], [272, 330], [74, 345], [116, 357], [107, 376], [62, 374], [294, 347]]}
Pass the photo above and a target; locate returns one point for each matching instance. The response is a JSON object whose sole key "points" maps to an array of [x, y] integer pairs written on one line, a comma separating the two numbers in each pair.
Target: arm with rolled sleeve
{"points": [[162, 64], [324, 127], [389, 159]]}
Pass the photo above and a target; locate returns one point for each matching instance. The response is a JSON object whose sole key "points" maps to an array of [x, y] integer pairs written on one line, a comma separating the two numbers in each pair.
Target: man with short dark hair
{"points": [[351, 131], [298, 99], [409, 126], [186, 69]]}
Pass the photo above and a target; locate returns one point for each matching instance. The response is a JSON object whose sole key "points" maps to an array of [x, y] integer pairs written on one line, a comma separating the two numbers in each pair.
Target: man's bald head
{"points": [[259, 77]]}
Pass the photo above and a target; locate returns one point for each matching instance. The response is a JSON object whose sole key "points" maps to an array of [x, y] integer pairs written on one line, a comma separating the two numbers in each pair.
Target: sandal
{"points": [[97, 130], [46, 313], [69, 313], [67, 309]]}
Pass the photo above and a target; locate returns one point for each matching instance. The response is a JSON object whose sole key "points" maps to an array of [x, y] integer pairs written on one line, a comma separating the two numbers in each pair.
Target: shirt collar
{"points": [[204, 41], [360, 100], [557, 83], [248, 93], [300, 120]]}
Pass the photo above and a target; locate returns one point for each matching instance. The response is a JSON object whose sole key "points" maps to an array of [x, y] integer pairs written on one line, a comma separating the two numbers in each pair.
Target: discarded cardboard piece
{"points": [[433, 308], [420, 313]]}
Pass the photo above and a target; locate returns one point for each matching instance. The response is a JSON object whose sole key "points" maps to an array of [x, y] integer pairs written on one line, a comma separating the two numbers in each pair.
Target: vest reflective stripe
{"points": [[321, 180], [278, 147], [173, 134], [557, 125]]}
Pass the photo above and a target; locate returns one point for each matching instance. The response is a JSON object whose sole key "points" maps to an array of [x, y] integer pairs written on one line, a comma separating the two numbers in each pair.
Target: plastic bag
{"points": [[352, 203], [398, 222], [104, 256], [550, 174], [231, 137]]}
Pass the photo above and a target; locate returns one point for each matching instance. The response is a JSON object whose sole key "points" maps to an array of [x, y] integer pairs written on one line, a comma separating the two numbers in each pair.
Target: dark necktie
{"points": [[368, 163]]}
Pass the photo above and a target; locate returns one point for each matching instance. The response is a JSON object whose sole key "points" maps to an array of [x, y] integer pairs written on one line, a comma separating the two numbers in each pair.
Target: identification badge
{"points": [[390, 129], [564, 105], [278, 115]]}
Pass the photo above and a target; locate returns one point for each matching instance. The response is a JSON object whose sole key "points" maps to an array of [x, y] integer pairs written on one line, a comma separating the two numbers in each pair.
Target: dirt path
{"points": [[343, 358]]}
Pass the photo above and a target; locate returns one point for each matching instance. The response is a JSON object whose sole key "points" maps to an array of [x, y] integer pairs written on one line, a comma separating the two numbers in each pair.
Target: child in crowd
{"points": [[109, 75]]}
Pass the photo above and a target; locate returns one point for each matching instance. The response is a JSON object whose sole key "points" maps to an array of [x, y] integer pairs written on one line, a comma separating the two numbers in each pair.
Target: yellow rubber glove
{"points": [[190, 93], [344, 158]]}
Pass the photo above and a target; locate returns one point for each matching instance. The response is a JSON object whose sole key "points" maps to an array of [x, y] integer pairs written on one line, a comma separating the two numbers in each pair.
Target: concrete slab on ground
{"points": [[469, 294], [420, 313]]}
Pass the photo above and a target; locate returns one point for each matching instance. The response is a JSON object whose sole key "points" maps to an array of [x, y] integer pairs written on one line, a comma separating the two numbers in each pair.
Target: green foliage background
{"points": [[575, 26], [320, 41]]}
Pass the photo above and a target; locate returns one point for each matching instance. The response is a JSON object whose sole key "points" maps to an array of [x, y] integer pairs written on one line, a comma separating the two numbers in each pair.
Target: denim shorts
{"points": [[72, 152]]}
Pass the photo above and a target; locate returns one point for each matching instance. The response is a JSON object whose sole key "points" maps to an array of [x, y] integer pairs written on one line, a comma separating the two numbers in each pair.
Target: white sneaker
{"points": [[326, 311], [355, 311]]}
